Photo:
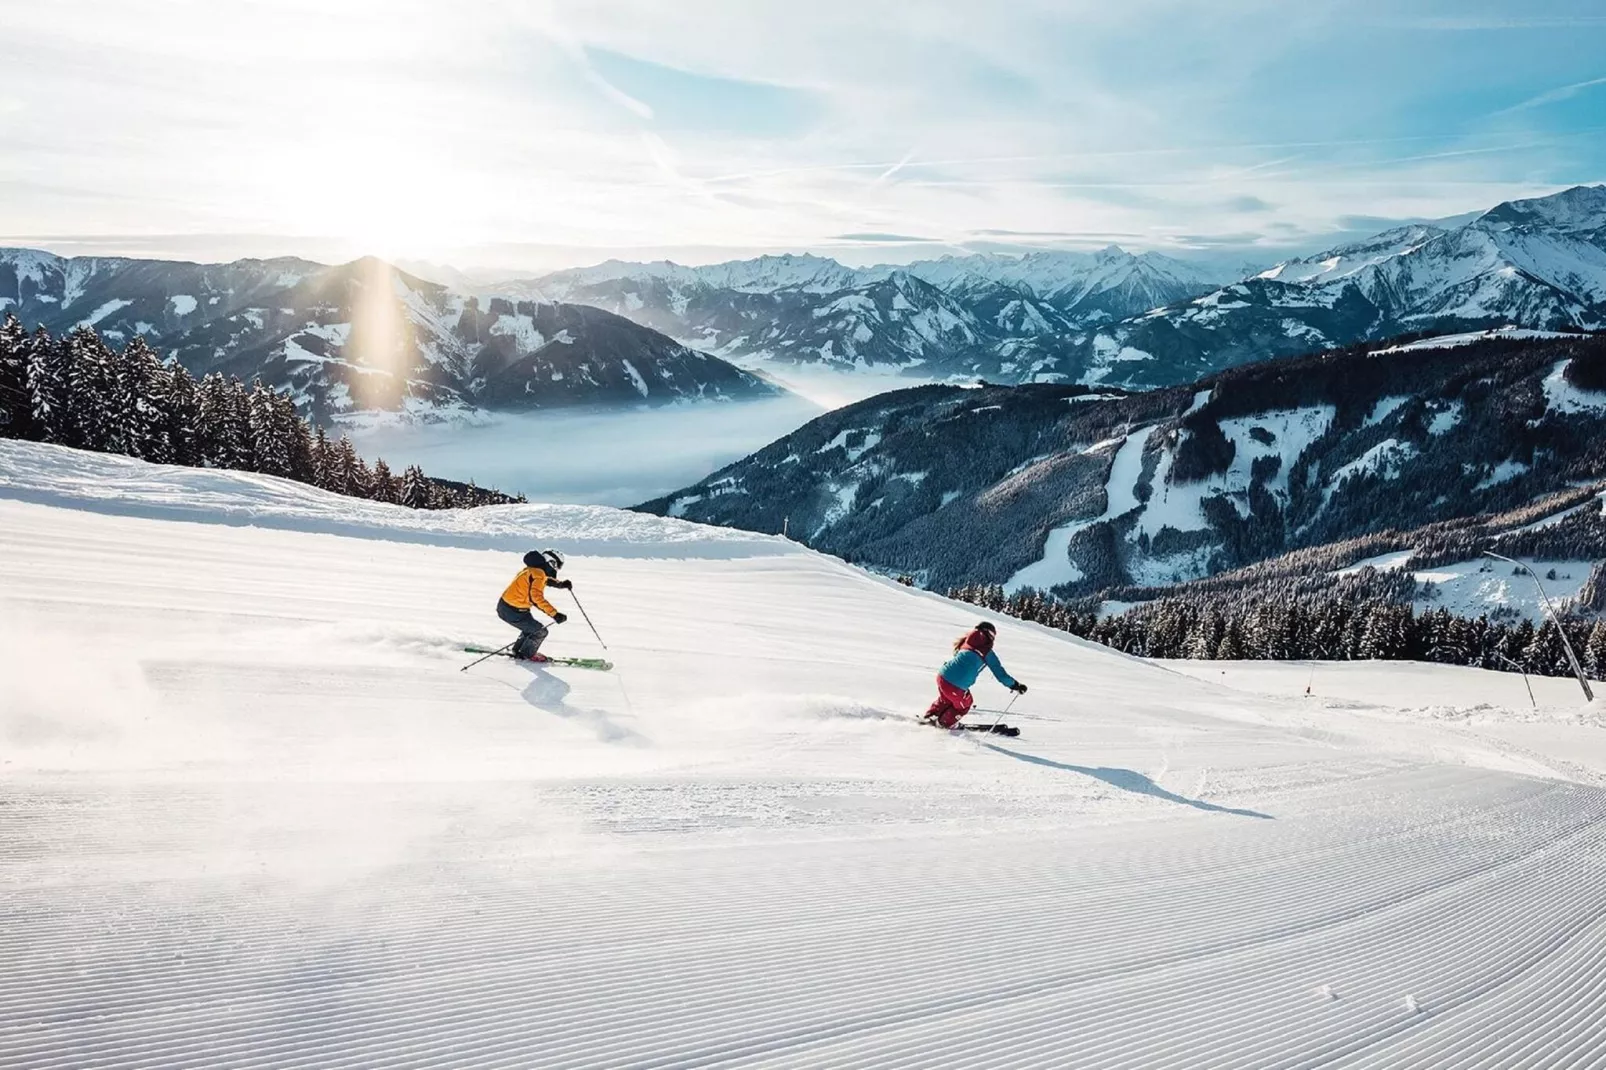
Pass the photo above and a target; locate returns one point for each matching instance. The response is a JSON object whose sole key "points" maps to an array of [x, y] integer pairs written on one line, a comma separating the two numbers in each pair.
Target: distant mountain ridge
{"points": [[1538, 263], [365, 335], [1010, 317], [1112, 317], [628, 333]]}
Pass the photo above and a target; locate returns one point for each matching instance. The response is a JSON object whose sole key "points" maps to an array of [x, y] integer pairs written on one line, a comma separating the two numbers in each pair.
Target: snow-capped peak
{"points": [[1579, 209]]}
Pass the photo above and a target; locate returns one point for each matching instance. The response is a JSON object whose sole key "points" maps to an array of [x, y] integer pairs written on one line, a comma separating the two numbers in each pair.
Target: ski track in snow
{"points": [[269, 822]]}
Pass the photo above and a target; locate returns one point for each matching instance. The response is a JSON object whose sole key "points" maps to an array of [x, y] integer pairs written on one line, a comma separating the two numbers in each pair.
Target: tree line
{"points": [[1369, 617], [75, 390]]}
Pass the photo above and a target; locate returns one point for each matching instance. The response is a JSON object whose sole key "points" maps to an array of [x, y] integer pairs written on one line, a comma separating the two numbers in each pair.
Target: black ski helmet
{"points": [[987, 626], [548, 561]]}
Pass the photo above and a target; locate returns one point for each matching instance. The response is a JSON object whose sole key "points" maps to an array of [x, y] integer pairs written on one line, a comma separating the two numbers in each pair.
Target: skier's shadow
{"points": [[551, 693], [1128, 780]]}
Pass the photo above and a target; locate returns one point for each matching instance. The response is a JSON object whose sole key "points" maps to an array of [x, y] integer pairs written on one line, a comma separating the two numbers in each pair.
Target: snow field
{"points": [[253, 815], [1482, 585]]}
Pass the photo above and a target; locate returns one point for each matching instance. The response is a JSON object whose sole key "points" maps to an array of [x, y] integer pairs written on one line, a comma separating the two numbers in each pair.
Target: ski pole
{"points": [[587, 617], [492, 654], [1000, 720]]}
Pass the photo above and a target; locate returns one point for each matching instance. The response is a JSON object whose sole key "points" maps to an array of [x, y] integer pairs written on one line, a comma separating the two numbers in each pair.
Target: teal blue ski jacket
{"points": [[964, 669]]}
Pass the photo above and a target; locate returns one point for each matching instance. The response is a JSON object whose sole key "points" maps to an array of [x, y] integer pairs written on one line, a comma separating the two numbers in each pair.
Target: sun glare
{"points": [[380, 342]]}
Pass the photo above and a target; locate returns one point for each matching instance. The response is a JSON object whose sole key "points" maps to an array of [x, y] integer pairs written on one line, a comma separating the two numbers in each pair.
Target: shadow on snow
{"points": [[551, 694], [1128, 780]]}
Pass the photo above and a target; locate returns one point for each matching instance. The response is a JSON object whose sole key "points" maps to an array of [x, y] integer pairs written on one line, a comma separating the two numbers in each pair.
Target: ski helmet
{"points": [[987, 626], [554, 559]]}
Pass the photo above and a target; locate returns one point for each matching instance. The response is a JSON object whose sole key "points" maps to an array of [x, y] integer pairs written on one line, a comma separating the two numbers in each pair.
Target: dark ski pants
{"points": [[534, 633]]}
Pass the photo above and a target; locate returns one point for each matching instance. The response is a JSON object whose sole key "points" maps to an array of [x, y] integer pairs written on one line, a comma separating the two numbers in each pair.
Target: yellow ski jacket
{"points": [[529, 589]]}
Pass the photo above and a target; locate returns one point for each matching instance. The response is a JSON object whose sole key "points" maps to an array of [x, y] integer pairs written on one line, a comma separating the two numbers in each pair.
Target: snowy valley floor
{"points": [[251, 814]]}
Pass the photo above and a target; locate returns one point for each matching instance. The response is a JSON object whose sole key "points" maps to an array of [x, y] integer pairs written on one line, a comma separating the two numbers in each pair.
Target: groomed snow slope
{"points": [[251, 814]]}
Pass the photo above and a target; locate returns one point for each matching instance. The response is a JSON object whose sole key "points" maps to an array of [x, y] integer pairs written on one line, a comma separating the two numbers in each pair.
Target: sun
{"points": [[378, 196]]}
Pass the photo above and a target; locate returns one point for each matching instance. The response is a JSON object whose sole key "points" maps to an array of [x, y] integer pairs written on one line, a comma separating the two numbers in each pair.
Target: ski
{"points": [[600, 664], [996, 729]]}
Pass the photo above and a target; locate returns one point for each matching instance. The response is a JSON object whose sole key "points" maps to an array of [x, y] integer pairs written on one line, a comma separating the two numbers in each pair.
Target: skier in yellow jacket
{"points": [[527, 591]]}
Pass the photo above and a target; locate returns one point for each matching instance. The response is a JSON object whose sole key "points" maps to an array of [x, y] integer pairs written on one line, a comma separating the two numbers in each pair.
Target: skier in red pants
{"points": [[972, 653]]}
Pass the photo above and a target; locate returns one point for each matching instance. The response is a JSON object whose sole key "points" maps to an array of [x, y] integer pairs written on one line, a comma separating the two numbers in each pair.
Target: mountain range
{"points": [[1534, 263], [1113, 317], [1005, 317], [365, 335], [1080, 490]]}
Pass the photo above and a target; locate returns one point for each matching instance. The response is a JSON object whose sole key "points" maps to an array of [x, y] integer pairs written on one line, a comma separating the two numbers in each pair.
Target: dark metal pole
{"points": [[587, 617], [1000, 718], [1567, 644], [492, 654], [1524, 672]]}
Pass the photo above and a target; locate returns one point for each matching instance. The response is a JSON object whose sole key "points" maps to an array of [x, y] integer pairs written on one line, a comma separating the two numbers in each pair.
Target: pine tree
{"points": [[138, 380], [298, 435], [1379, 640], [1544, 654], [211, 420], [236, 443], [362, 478], [16, 400], [1594, 655], [342, 470], [49, 362], [1230, 648], [1515, 644], [180, 415], [415, 488], [270, 440], [89, 391], [322, 460], [223, 432], [386, 488]]}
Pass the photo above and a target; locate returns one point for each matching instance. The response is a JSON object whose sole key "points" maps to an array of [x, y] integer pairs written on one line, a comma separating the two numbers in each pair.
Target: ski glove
{"points": [[1019, 688], [562, 585], [559, 618]]}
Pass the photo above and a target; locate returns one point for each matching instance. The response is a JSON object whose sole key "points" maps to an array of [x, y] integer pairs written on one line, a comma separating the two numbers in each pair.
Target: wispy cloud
{"points": [[872, 236], [1553, 96], [727, 127], [894, 169], [1495, 22]]}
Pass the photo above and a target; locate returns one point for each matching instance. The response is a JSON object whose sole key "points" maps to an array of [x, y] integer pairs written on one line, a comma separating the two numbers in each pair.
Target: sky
{"points": [[491, 134]]}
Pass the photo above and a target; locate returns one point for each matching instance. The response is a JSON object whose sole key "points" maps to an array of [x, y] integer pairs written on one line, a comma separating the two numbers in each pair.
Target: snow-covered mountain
{"points": [[365, 335], [1106, 317], [285, 830], [1085, 288], [1085, 489], [1537, 264], [1112, 317], [1007, 317]]}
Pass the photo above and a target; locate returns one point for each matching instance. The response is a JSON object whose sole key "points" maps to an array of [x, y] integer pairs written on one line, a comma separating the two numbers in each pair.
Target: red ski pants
{"points": [[952, 703]]}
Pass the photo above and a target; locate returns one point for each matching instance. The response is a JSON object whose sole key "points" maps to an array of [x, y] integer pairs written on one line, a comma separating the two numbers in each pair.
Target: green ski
{"points": [[600, 664]]}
